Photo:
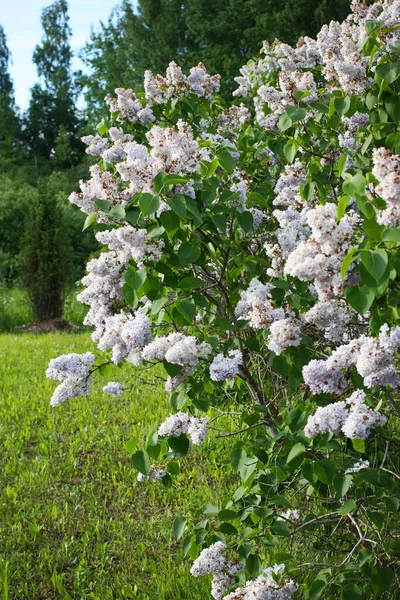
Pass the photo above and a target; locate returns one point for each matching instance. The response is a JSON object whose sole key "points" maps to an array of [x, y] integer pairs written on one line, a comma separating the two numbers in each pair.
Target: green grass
{"points": [[74, 521]]}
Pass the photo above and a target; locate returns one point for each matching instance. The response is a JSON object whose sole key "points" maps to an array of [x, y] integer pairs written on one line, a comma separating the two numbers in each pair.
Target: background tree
{"points": [[159, 31], [46, 251], [52, 121], [10, 127]]}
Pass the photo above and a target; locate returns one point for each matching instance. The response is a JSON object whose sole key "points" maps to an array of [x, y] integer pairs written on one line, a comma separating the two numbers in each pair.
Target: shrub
{"points": [[253, 251]]}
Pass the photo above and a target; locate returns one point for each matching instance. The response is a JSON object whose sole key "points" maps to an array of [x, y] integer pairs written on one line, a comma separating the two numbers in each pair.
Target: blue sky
{"points": [[21, 22]]}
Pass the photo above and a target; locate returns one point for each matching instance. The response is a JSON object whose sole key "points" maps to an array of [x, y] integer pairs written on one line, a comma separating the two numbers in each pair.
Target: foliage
{"points": [[74, 521], [9, 121], [118, 53], [52, 120], [14, 202], [46, 254]]}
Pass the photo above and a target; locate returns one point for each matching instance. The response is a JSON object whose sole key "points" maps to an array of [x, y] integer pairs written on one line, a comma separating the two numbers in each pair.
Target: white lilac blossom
{"points": [[103, 288], [373, 358], [212, 560], [283, 334], [355, 122], [330, 316], [101, 186], [178, 349], [126, 335], [183, 423], [129, 242], [351, 417], [70, 388], [360, 464], [153, 475], [159, 89], [96, 144], [129, 107], [73, 370], [223, 368], [287, 188], [66, 365], [171, 151], [265, 587], [255, 305], [113, 388], [387, 171], [319, 258]]}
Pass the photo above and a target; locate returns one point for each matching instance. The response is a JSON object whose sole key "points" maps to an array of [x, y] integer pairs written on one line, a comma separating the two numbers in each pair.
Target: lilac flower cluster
{"points": [[74, 372], [177, 349], [374, 359], [387, 171], [223, 368], [352, 417], [212, 560], [265, 587], [194, 427]]}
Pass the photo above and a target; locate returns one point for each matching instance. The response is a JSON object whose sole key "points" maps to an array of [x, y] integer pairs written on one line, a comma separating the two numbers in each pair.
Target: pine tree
{"points": [[46, 252], [52, 119], [10, 129]]}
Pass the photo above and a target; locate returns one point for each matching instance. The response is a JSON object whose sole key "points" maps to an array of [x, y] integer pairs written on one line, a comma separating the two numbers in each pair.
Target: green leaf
{"points": [[131, 444], [297, 450], [316, 589], [351, 592], [382, 579], [227, 515], [358, 445], [226, 160], [187, 308], [141, 461], [171, 368], [237, 458], [289, 150], [188, 253], [347, 261], [179, 527], [342, 105], [135, 278], [213, 166], [391, 235], [170, 221], [149, 204], [281, 528], [118, 212], [253, 565], [158, 181], [191, 283], [389, 72], [103, 204], [284, 122], [90, 219], [342, 205], [347, 507], [245, 221], [341, 484], [179, 444], [173, 179], [392, 106], [360, 297], [178, 205], [325, 470], [375, 261], [210, 510]]}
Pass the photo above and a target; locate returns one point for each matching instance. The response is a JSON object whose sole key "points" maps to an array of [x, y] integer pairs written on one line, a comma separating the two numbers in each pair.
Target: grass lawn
{"points": [[74, 521]]}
